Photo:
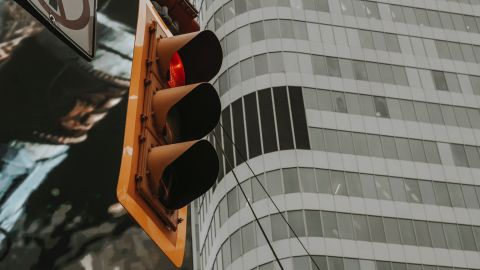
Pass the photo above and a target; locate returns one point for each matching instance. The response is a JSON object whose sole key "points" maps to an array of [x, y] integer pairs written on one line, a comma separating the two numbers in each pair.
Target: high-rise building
{"points": [[361, 119]]}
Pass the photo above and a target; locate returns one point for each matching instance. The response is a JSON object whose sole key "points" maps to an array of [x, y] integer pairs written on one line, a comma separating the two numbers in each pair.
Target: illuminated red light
{"points": [[177, 72]]}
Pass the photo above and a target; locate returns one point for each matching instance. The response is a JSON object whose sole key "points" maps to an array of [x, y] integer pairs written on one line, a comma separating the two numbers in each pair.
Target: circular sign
{"points": [[74, 24]]}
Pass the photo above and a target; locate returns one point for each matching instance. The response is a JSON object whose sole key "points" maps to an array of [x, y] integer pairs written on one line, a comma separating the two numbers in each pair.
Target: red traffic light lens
{"points": [[177, 72]]}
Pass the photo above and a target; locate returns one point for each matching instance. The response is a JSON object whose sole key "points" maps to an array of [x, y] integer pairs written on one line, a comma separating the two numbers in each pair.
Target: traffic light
{"points": [[165, 163]]}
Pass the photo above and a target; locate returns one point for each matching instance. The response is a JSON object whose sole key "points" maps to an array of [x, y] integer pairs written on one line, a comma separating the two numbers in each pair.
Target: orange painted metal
{"points": [[169, 235]]}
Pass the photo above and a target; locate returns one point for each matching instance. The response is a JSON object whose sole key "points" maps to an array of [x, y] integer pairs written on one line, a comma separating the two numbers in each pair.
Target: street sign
{"points": [[73, 21]]}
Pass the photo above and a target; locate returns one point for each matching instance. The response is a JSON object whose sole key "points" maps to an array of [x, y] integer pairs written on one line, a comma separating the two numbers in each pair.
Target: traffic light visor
{"points": [[200, 54], [196, 107], [182, 172]]}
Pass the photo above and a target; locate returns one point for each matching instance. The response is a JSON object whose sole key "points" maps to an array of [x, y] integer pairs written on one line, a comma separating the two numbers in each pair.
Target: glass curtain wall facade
{"points": [[362, 121]]}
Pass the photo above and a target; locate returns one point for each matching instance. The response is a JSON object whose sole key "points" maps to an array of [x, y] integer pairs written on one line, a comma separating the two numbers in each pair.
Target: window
{"points": [[394, 109], [442, 49], [286, 29], [366, 39], [299, 30], [266, 225], [400, 75], [226, 255], [218, 18], [459, 155], [360, 144], [391, 41], [258, 192], [329, 221], [389, 148], [323, 181], [431, 151], [421, 231], [398, 189], [229, 11], [452, 82], [247, 188], [239, 131], [290, 178], [232, 42], [386, 73], [236, 245], [354, 186], [248, 237], [299, 118], [360, 71], [307, 179], [333, 67], [381, 109], [452, 235], [331, 141], [418, 152], [279, 227], [345, 226], [253, 129], [257, 31], [360, 227], [373, 72], [391, 230], [379, 41], [456, 195], [439, 80], [232, 199], [317, 141], [314, 223], [268, 122], [227, 124], [408, 110], [346, 68], [272, 29], [352, 103], [339, 101], [376, 229], [441, 194], [296, 220], [406, 231], [372, 10], [413, 191], [339, 186], [275, 63], [345, 142], [319, 65], [437, 235], [368, 186], [274, 183], [470, 195], [347, 7], [247, 69], [455, 51], [335, 263], [261, 64], [383, 187], [435, 113], [426, 189], [374, 145], [367, 106], [468, 240]]}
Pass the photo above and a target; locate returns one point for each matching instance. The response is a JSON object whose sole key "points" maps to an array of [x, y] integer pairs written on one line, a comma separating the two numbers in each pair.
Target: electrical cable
{"points": [[248, 202], [265, 190]]}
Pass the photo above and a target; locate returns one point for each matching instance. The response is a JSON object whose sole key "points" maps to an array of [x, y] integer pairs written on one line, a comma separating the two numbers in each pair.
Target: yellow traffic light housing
{"points": [[165, 164]]}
